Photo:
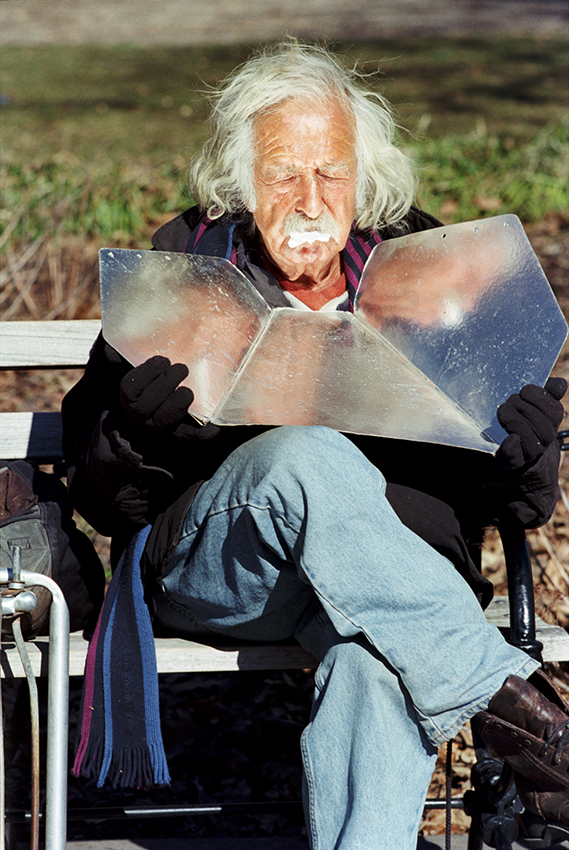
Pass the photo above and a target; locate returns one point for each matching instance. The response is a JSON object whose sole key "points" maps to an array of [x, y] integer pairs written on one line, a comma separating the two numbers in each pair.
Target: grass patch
{"points": [[95, 140], [517, 85], [478, 174]]}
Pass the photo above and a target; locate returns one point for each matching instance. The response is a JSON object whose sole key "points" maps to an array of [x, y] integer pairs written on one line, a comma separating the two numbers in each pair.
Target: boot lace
{"points": [[559, 739]]}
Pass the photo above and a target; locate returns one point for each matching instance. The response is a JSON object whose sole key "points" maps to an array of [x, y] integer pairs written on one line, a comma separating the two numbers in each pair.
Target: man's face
{"points": [[304, 178]]}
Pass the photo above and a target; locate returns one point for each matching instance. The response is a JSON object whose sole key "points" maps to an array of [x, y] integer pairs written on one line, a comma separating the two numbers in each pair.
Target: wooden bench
{"points": [[178, 655], [37, 436]]}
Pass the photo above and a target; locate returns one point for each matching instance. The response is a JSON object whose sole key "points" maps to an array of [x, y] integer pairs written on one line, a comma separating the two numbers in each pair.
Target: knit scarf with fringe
{"points": [[120, 738]]}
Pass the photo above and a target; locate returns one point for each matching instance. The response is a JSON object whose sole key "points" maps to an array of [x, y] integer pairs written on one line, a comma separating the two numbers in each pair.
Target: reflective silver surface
{"points": [[447, 324], [471, 308], [194, 310]]}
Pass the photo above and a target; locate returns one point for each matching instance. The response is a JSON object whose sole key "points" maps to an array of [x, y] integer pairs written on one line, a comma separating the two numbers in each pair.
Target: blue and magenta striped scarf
{"points": [[120, 738]]}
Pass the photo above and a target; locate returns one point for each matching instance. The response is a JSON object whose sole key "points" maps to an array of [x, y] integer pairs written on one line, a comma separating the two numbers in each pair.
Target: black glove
{"points": [[152, 400], [531, 418]]}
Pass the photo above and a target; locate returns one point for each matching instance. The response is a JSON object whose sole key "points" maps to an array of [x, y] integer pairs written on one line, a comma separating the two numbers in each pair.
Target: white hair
{"points": [[221, 176]]}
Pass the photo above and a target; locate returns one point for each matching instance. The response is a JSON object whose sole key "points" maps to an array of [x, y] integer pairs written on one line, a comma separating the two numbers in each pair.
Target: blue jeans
{"points": [[293, 535]]}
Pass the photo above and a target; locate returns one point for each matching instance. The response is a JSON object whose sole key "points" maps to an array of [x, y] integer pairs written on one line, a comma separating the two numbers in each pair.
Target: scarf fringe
{"points": [[88, 760], [137, 767], [130, 767]]}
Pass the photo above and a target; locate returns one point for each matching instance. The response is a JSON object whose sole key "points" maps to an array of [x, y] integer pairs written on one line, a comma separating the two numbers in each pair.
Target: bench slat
{"points": [[52, 344], [173, 655], [176, 655], [30, 435], [555, 639]]}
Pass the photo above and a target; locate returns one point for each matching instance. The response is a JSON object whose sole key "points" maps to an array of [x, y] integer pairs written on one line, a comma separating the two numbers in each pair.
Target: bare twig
{"points": [[543, 577], [70, 305], [55, 272], [24, 290], [18, 213], [564, 498], [14, 266], [553, 557]]}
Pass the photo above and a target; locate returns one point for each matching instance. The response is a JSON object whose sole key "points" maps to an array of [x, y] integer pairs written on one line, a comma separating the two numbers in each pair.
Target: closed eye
{"points": [[335, 170], [334, 175], [328, 172]]}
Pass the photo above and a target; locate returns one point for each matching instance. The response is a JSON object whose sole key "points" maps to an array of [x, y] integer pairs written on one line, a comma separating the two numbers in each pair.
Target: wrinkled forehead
{"points": [[324, 125], [328, 103]]}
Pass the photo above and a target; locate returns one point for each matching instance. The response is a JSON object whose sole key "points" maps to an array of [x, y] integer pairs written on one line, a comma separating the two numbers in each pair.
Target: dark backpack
{"points": [[35, 516]]}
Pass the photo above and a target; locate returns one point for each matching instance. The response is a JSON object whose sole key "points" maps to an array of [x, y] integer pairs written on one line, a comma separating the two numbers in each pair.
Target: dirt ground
{"points": [[228, 21]]}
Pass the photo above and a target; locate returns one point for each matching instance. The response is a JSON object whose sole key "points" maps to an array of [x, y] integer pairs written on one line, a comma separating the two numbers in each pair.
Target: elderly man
{"points": [[358, 547]]}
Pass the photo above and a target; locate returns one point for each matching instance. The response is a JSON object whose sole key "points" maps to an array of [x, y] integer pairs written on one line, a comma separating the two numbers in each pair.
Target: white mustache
{"points": [[301, 237], [302, 229]]}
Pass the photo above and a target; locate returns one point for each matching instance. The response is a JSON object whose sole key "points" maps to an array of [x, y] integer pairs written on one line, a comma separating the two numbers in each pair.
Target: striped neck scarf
{"points": [[223, 238], [120, 738]]}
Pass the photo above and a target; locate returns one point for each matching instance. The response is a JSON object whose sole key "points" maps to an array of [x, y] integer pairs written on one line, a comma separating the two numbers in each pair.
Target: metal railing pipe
{"points": [[57, 712]]}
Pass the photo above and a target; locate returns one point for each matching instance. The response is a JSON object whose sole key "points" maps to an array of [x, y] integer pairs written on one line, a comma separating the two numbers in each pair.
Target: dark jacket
{"points": [[120, 480]]}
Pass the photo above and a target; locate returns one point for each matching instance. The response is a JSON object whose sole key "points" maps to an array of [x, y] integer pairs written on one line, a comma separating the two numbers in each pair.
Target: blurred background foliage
{"points": [[96, 139]]}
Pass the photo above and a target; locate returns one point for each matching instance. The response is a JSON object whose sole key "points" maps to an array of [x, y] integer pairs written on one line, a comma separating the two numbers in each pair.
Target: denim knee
{"points": [[355, 660], [299, 442], [298, 450]]}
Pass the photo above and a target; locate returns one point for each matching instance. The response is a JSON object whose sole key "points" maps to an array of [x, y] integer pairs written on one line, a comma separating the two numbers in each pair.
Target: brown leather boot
{"points": [[528, 727], [550, 805]]}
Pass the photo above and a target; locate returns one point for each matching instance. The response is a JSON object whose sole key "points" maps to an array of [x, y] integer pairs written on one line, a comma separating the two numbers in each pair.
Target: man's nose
{"points": [[310, 200]]}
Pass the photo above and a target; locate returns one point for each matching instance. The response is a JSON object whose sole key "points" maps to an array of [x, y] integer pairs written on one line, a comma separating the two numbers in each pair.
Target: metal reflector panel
{"points": [[447, 324]]}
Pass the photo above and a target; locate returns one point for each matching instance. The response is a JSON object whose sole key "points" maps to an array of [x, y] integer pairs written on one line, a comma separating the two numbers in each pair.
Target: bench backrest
{"points": [[40, 345]]}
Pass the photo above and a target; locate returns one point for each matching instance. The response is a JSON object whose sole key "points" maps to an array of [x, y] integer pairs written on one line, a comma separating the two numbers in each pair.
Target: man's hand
{"points": [[531, 418], [153, 401]]}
